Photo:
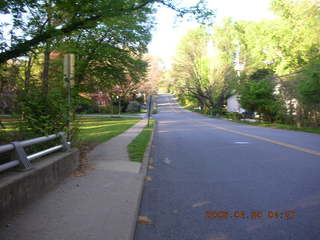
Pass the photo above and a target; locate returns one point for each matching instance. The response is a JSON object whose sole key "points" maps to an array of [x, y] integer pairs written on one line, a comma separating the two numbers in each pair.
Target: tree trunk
{"points": [[298, 110]]}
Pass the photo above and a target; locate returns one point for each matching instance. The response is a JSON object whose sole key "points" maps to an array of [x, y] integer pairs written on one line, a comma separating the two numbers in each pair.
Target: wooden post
{"points": [[68, 70]]}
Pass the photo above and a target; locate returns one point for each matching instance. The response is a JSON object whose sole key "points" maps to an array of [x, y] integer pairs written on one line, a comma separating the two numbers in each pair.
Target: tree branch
{"points": [[23, 47]]}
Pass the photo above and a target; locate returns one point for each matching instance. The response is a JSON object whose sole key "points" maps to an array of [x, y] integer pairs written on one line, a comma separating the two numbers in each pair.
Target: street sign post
{"points": [[149, 108]]}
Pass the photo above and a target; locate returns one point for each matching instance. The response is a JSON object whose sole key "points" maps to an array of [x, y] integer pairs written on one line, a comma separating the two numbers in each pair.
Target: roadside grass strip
{"points": [[262, 124], [138, 146], [280, 126]]}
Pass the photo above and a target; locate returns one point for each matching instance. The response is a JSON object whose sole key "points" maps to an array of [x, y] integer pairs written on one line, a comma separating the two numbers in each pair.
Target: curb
{"points": [[143, 173], [147, 154]]}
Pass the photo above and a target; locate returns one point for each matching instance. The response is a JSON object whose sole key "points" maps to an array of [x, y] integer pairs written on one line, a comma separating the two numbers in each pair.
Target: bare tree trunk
{"points": [[201, 103], [299, 113]]}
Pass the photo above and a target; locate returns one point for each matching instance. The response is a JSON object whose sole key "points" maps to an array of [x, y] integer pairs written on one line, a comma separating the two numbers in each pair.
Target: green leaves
{"points": [[54, 19], [278, 59], [199, 77], [42, 115], [257, 94], [309, 85]]}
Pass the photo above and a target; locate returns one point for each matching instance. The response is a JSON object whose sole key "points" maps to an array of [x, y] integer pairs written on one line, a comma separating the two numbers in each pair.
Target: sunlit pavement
{"points": [[219, 180]]}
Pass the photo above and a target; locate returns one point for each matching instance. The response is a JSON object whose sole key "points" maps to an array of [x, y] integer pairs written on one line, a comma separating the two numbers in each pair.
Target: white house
{"points": [[233, 104]]}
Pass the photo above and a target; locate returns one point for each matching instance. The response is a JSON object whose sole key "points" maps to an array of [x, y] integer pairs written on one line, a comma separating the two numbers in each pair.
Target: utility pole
{"points": [[238, 66], [68, 70], [149, 109], [119, 100]]}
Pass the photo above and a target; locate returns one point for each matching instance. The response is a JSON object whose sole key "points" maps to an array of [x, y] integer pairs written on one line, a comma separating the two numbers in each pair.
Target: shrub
{"points": [[42, 114], [257, 94]]}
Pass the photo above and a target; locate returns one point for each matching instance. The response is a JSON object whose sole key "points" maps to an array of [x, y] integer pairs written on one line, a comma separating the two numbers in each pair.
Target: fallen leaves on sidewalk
{"points": [[147, 179], [144, 220], [84, 164], [78, 173], [200, 204]]}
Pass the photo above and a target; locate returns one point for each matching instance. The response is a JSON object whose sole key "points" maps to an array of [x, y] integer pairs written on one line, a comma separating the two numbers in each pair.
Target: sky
{"points": [[168, 32]]}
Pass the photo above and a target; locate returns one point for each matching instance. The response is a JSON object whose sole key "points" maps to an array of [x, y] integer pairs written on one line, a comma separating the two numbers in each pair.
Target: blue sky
{"points": [[167, 34]]}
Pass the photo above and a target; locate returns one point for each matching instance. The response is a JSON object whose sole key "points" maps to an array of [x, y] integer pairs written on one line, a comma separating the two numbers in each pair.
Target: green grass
{"points": [[262, 124], [91, 129], [10, 124], [137, 147], [101, 129], [116, 113], [134, 113], [280, 126]]}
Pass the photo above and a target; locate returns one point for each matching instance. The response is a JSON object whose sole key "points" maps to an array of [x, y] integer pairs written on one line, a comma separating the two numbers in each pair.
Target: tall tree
{"points": [[74, 16], [199, 74]]}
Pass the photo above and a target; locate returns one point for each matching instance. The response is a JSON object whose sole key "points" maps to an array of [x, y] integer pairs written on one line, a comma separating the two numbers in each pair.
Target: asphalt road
{"points": [[219, 180]]}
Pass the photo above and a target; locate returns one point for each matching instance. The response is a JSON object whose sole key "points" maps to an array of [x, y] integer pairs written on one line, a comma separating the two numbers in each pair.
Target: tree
{"points": [[73, 16], [108, 38], [309, 85], [153, 77], [201, 75], [190, 68], [309, 89], [109, 53], [257, 94], [280, 45], [298, 19]]}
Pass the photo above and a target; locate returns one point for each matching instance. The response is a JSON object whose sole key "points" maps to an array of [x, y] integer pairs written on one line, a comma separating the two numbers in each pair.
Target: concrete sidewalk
{"points": [[101, 205]]}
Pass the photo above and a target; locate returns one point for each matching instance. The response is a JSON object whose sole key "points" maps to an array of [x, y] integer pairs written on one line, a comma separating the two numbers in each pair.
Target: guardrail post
{"points": [[64, 142], [20, 154]]}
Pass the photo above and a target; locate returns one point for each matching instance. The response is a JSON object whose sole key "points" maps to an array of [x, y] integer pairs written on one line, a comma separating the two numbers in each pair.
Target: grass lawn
{"points": [[95, 130], [115, 113], [91, 129], [138, 146], [101, 129]]}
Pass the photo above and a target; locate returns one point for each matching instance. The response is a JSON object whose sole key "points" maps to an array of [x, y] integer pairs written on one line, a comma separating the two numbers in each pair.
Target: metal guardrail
{"points": [[19, 156]]}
